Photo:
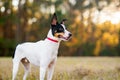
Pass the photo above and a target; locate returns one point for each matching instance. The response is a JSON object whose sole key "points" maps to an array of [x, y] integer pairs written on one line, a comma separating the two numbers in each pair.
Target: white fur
{"points": [[42, 53]]}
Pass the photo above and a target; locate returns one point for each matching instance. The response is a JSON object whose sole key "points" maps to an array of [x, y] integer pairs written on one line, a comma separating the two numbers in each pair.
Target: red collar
{"points": [[52, 40]]}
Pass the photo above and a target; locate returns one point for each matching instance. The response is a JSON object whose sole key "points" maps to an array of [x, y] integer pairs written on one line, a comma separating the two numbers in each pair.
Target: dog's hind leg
{"points": [[16, 60], [26, 65], [15, 67]]}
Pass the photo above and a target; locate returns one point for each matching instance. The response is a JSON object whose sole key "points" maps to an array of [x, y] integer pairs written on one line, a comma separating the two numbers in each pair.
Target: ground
{"points": [[70, 68]]}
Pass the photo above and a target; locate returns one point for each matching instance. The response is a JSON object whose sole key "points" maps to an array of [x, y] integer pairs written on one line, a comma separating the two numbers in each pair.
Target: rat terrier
{"points": [[42, 53]]}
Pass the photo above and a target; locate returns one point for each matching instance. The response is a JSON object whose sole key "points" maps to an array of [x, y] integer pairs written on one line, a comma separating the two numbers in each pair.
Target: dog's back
{"points": [[27, 48]]}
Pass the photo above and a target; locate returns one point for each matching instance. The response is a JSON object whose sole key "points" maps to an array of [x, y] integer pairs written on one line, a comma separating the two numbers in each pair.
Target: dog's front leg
{"points": [[42, 72], [50, 72], [51, 69], [44, 62]]}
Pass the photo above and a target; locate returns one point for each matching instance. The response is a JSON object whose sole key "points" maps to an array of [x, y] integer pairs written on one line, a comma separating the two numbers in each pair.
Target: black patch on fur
{"points": [[58, 28]]}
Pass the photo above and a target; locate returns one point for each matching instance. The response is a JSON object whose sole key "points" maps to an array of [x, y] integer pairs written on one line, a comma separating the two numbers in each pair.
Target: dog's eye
{"points": [[60, 30], [55, 31]]}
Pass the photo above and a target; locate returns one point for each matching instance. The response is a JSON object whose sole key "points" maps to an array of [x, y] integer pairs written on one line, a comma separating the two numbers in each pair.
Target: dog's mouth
{"points": [[65, 38]]}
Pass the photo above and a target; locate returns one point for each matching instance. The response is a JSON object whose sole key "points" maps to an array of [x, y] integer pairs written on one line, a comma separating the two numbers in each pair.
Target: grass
{"points": [[70, 68]]}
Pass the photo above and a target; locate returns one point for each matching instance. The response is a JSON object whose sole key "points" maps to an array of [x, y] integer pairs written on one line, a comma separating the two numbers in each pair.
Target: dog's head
{"points": [[59, 29]]}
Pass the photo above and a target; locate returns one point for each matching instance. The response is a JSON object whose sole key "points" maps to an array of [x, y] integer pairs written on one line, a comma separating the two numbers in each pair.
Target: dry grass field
{"points": [[70, 68]]}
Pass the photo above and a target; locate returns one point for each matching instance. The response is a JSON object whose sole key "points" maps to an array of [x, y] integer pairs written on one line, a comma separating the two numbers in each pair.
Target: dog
{"points": [[42, 53]]}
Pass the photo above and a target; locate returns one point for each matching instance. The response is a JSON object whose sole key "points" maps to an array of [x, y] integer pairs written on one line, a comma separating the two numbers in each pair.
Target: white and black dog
{"points": [[42, 53]]}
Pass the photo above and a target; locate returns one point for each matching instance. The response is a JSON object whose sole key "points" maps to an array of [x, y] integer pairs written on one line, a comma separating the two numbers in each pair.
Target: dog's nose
{"points": [[70, 34]]}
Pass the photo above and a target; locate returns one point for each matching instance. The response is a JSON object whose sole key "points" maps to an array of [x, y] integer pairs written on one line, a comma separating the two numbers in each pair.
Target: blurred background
{"points": [[95, 25]]}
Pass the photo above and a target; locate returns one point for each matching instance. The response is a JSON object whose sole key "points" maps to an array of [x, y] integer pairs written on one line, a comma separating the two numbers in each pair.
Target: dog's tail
{"points": [[13, 55]]}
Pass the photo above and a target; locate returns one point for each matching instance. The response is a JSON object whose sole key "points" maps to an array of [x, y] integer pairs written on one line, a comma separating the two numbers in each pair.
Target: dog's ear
{"points": [[63, 21], [54, 19]]}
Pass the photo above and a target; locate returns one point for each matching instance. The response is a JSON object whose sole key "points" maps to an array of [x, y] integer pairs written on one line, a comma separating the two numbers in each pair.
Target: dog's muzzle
{"points": [[66, 38], [70, 35]]}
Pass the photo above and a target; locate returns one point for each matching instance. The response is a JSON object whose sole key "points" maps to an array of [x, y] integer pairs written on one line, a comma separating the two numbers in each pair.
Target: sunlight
{"points": [[23, 2], [1, 3], [115, 18], [109, 13], [31, 1], [52, 9], [15, 4], [86, 2], [32, 20], [2, 9], [73, 2], [103, 16]]}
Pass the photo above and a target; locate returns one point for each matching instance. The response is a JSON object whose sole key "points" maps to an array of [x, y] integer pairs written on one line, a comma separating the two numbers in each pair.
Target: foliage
{"points": [[29, 20], [7, 47]]}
